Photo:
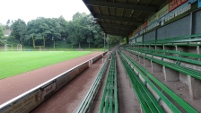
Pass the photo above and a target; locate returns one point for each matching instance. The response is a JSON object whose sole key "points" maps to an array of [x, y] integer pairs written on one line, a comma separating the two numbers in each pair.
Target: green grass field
{"points": [[13, 63]]}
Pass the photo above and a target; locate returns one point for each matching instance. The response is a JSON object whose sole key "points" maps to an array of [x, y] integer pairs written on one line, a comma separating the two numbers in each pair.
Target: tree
{"points": [[89, 40], [83, 30], [73, 33], [18, 30], [63, 27], [77, 29], [114, 40], [98, 37], [51, 28], [1, 32], [8, 24]]}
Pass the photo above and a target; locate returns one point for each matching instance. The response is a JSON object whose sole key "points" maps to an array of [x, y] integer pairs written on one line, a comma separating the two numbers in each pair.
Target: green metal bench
{"points": [[155, 84], [181, 56], [188, 71], [173, 40], [109, 102], [85, 105], [148, 102]]}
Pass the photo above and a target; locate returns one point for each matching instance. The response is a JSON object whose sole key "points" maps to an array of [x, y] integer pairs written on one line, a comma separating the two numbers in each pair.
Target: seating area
{"points": [[174, 66], [88, 100], [109, 99], [160, 90], [173, 41], [146, 99], [180, 57], [161, 55], [109, 102], [153, 70], [177, 59]]}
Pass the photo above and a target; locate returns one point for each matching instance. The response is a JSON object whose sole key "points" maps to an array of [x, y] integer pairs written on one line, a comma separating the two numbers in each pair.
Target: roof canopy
{"points": [[122, 17]]}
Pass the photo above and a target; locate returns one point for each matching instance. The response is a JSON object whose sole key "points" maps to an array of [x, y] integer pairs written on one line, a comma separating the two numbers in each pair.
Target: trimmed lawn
{"points": [[14, 63]]}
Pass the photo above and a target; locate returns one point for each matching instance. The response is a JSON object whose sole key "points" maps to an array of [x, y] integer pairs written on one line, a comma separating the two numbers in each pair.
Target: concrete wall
{"points": [[27, 101], [178, 28], [196, 22]]}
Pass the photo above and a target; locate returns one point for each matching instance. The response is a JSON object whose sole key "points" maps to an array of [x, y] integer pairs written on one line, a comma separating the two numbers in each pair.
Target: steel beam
{"points": [[118, 18], [114, 28], [116, 31], [121, 5], [118, 26], [118, 34]]}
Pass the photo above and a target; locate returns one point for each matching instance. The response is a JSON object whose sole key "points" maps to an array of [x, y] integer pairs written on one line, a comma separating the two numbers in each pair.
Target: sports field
{"points": [[13, 63]]}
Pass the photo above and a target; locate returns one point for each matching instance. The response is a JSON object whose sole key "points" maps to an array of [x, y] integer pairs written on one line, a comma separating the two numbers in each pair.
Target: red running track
{"points": [[14, 86]]}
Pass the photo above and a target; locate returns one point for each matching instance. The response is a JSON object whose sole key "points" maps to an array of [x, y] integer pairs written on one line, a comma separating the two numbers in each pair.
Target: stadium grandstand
{"points": [[157, 71]]}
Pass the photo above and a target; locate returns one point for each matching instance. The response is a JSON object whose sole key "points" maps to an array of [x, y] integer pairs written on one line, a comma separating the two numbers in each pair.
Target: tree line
{"points": [[81, 31]]}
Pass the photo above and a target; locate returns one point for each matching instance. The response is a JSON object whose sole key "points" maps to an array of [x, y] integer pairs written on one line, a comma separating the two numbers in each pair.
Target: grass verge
{"points": [[14, 63]]}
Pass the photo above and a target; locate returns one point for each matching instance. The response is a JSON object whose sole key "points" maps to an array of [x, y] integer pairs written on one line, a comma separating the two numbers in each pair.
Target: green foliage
{"points": [[8, 24], [114, 40], [13, 63], [19, 30], [124, 41], [62, 44], [1, 32], [52, 29], [81, 32], [77, 29]]}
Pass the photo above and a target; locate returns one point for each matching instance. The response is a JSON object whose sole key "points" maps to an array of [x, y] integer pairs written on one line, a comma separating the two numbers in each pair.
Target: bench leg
{"points": [[170, 75], [147, 63], [134, 57], [183, 78], [194, 88], [137, 58], [141, 109], [193, 85], [141, 60], [157, 67]]}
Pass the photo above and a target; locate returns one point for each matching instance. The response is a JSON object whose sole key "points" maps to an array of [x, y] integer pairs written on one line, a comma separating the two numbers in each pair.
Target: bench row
{"points": [[179, 40], [109, 102], [164, 96], [173, 71], [146, 99], [177, 56], [88, 100]]}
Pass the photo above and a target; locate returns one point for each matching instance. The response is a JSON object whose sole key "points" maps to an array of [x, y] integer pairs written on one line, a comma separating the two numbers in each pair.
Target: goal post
{"points": [[38, 46], [6, 47], [19, 47]]}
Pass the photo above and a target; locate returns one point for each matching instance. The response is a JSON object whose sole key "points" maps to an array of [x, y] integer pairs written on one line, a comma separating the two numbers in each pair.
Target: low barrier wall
{"points": [[29, 100]]}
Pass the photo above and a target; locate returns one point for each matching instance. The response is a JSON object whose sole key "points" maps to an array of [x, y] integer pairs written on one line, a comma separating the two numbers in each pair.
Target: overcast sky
{"points": [[31, 9]]}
